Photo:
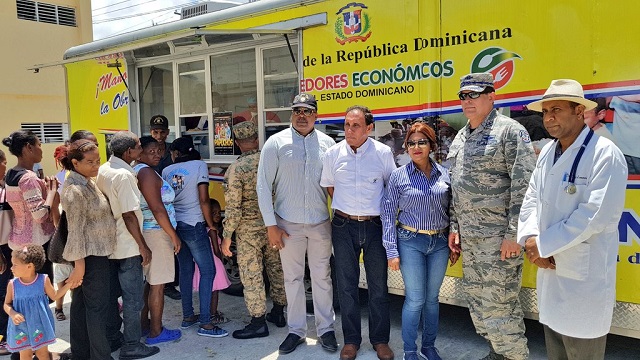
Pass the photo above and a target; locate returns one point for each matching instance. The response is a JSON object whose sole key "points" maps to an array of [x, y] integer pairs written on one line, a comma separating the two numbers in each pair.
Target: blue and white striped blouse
{"points": [[416, 201]]}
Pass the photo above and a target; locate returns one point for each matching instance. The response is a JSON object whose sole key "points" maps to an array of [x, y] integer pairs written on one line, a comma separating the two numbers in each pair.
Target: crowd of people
{"points": [[149, 203]]}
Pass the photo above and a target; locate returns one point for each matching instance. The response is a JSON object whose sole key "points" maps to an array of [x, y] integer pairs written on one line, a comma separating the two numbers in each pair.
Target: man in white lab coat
{"points": [[569, 225]]}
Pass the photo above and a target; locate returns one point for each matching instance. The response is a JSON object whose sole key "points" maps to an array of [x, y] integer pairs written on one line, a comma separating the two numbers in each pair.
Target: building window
{"points": [[48, 132], [46, 13]]}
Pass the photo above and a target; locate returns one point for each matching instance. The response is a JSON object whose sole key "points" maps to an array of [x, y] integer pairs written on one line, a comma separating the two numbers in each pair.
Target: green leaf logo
{"points": [[491, 58]]}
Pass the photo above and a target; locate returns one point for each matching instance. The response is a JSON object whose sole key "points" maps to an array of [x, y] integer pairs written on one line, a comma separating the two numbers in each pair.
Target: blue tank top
{"points": [[168, 195]]}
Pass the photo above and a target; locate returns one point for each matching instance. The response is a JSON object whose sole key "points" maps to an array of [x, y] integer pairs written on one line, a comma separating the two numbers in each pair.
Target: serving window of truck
{"points": [[241, 78]]}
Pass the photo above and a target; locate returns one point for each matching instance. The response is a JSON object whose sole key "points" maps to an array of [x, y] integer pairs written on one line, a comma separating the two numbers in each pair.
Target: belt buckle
{"points": [[360, 218], [431, 232]]}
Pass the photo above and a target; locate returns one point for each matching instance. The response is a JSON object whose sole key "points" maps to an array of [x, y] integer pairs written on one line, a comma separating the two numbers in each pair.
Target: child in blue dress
{"points": [[32, 326]]}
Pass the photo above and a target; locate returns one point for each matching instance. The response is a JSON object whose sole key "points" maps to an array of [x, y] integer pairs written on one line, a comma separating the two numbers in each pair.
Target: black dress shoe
{"points": [[277, 318], [255, 329], [140, 351], [328, 341], [172, 293], [290, 343]]}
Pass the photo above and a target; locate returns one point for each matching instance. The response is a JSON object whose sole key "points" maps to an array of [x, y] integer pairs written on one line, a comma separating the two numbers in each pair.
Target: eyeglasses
{"points": [[469, 95], [422, 143], [305, 111]]}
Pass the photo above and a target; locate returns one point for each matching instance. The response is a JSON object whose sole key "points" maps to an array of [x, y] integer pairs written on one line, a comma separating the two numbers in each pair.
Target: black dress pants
{"points": [[89, 310]]}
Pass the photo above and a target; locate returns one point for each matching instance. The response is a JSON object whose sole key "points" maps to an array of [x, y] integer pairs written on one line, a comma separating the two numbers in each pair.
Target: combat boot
{"points": [[276, 316], [255, 329]]}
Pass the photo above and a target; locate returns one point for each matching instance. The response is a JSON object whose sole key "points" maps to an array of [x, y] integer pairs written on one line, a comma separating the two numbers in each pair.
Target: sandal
{"points": [[60, 316], [218, 318]]}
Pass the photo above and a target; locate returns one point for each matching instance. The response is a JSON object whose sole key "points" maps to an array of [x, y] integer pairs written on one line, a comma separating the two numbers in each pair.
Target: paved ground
{"points": [[456, 340]]}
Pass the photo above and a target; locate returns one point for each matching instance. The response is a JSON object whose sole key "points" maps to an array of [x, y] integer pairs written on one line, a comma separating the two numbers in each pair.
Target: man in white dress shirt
{"points": [[355, 172], [569, 225]]}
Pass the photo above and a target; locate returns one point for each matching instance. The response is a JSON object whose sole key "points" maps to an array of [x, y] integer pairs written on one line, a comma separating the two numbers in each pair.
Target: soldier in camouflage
{"points": [[492, 160], [242, 215]]}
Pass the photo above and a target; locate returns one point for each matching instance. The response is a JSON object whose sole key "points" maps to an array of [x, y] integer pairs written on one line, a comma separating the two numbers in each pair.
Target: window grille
{"points": [[46, 13], [48, 132]]}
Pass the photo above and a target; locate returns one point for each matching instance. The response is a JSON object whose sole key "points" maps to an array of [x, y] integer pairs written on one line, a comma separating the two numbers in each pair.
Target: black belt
{"points": [[356, 217]]}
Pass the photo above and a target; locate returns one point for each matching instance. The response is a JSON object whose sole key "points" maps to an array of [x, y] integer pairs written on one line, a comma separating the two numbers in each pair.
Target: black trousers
{"points": [[89, 310], [4, 281]]}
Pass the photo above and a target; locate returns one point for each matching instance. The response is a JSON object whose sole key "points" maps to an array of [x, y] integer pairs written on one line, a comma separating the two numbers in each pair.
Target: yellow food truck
{"points": [[403, 59]]}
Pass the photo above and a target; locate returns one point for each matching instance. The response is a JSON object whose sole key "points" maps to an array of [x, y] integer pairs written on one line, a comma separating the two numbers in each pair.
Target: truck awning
{"points": [[192, 28]]}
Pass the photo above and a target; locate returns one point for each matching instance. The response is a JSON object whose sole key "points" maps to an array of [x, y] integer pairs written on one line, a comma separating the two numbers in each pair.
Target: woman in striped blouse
{"points": [[34, 200], [415, 219]]}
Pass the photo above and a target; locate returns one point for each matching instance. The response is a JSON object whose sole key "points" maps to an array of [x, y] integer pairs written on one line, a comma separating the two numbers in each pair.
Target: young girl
{"points": [[32, 327], [220, 281]]}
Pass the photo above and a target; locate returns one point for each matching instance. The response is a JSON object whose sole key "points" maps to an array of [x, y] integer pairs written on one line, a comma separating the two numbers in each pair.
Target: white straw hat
{"points": [[563, 89]]}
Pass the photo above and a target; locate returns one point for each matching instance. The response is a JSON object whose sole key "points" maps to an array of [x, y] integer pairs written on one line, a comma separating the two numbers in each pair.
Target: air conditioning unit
{"points": [[206, 7]]}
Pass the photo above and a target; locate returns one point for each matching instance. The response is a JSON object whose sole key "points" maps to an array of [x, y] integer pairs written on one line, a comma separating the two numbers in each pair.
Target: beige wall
{"points": [[26, 96]]}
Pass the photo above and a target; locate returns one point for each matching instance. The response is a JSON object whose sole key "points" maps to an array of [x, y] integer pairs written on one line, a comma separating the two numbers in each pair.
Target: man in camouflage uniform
{"points": [[242, 215], [491, 163]]}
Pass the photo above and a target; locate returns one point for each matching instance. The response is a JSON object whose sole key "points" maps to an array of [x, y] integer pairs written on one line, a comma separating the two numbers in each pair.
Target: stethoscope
{"points": [[571, 187]]}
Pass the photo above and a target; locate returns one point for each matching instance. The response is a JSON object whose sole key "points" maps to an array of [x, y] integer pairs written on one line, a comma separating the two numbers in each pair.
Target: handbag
{"points": [[6, 218], [59, 241]]}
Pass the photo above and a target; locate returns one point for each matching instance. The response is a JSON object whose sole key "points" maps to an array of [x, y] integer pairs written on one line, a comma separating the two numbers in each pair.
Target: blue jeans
{"points": [[423, 263], [129, 274], [195, 246], [350, 237]]}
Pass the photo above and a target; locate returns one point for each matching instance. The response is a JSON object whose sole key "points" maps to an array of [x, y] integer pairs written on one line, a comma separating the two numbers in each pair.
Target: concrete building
{"points": [[37, 32]]}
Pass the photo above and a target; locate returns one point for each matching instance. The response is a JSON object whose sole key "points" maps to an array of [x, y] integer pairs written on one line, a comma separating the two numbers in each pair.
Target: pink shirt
{"points": [[26, 193]]}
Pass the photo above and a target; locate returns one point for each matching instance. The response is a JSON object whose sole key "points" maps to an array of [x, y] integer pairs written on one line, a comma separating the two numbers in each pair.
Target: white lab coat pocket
{"points": [[573, 263]]}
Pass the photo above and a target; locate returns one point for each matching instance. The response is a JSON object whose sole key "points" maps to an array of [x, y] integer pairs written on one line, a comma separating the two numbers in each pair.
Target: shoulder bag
{"points": [[59, 241]]}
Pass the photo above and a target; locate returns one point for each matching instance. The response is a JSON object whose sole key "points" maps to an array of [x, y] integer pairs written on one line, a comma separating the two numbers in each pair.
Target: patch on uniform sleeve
{"points": [[524, 135]]}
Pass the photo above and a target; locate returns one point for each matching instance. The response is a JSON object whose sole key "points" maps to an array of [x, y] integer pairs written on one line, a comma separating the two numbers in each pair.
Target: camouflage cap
{"points": [[245, 130], [476, 82]]}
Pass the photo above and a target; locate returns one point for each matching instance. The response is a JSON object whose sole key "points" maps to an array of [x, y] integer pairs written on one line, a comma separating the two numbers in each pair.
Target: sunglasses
{"points": [[470, 95], [422, 143], [305, 111]]}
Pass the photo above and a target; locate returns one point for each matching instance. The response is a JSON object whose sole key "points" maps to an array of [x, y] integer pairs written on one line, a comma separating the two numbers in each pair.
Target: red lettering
{"points": [[329, 82], [109, 80], [344, 80], [319, 83]]}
